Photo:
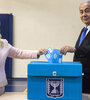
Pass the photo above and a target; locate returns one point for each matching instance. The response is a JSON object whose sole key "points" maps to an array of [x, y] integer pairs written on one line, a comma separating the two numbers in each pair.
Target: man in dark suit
{"points": [[82, 47]]}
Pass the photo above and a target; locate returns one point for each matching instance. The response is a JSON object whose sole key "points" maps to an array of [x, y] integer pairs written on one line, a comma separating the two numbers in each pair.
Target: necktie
{"points": [[83, 35]]}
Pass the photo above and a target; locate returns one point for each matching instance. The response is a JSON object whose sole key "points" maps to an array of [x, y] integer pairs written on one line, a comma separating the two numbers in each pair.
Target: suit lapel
{"points": [[88, 35], [77, 43]]}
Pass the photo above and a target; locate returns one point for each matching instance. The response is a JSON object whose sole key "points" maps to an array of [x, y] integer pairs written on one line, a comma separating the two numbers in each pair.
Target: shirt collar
{"points": [[88, 27]]}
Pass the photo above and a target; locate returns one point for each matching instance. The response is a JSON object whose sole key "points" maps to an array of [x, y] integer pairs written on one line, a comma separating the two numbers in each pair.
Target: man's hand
{"points": [[66, 49]]}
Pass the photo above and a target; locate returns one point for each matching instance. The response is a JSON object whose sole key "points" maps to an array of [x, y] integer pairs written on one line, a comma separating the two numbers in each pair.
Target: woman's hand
{"points": [[42, 51]]}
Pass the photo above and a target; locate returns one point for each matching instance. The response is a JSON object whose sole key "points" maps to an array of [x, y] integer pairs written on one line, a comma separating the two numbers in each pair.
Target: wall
{"points": [[42, 24]]}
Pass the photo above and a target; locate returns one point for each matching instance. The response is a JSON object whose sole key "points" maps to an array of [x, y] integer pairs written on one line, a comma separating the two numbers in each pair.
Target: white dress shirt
{"points": [[88, 29]]}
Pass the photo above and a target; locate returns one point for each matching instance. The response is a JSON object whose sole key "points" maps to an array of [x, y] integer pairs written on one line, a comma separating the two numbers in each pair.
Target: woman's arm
{"points": [[25, 54]]}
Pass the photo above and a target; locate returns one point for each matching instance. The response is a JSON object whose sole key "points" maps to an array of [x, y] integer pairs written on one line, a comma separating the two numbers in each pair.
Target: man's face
{"points": [[85, 13]]}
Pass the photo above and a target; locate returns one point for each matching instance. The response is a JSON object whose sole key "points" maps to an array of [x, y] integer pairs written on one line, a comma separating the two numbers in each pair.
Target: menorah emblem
{"points": [[54, 84], [55, 87]]}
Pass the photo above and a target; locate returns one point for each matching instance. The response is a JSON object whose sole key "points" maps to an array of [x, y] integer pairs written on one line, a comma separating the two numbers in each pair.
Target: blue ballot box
{"points": [[59, 81]]}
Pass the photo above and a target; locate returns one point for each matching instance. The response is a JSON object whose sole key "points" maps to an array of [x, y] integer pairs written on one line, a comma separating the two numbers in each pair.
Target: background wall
{"points": [[42, 24]]}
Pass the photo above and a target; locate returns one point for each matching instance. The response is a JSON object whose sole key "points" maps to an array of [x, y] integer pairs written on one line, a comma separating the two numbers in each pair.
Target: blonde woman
{"points": [[7, 50]]}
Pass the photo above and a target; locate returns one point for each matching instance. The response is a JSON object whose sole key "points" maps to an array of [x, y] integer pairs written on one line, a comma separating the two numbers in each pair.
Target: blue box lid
{"points": [[41, 68]]}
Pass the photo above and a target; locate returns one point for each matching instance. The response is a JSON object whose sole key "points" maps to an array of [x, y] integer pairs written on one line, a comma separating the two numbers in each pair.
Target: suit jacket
{"points": [[82, 52], [8, 50]]}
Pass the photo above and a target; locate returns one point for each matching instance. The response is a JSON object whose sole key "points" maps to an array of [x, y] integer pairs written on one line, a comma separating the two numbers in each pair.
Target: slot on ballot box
{"points": [[54, 81]]}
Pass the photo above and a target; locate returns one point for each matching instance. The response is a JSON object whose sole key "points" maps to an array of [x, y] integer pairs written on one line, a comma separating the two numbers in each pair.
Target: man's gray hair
{"points": [[85, 1]]}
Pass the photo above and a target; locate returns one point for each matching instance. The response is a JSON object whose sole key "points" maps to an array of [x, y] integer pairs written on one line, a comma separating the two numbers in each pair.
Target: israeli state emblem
{"points": [[55, 87]]}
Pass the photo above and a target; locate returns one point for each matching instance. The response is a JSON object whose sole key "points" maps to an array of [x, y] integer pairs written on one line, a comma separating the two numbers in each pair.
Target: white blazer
{"points": [[8, 50]]}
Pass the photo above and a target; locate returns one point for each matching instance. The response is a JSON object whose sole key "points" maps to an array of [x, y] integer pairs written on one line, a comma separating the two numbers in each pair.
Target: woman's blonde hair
{"points": [[1, 42]]}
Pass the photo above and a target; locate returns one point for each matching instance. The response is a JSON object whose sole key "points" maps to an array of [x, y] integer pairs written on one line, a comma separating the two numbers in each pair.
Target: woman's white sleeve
{"points": [[22, 54]]}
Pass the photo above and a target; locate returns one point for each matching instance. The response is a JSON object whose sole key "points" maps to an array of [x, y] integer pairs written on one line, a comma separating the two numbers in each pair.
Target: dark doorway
{"points": [[6, 30]]}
